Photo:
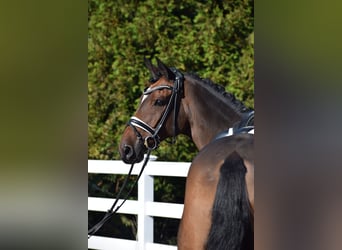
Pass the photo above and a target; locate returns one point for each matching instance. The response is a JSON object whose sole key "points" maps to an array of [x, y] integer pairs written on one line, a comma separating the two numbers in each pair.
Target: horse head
{"points": [[158, 115]]}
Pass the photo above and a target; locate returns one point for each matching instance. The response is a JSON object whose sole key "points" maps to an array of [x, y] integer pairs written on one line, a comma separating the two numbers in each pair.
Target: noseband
{"points": [[152, 141]]}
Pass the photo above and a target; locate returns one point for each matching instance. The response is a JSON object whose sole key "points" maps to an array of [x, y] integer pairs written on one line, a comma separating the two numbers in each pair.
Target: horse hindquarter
{"points": [[231, 226]]}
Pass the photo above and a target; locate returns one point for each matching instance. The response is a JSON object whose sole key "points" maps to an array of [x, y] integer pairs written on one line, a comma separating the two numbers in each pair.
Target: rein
{"points": [[111, 211], [151, 142]]}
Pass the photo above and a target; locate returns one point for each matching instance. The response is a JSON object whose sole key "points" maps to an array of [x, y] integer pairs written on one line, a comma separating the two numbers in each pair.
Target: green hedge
{"points": [[215, 39]]}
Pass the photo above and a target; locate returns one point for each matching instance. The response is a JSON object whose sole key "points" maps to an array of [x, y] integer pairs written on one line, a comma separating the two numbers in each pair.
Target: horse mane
{"points": [[221, 90], [163, 70]]}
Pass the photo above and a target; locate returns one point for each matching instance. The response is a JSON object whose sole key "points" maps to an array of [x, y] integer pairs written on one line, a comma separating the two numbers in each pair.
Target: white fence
{"points": [[144, 207]]}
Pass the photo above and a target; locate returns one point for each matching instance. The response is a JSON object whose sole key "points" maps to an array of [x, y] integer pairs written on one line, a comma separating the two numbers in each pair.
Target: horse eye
{"points": [[159, 102]]}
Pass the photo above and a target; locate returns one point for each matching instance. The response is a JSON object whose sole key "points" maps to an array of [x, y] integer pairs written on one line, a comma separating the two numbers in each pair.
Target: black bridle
{"points": [[151, 142]]}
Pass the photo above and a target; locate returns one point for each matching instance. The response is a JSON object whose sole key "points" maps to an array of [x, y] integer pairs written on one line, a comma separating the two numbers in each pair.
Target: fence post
{"points": [[145, 222]]}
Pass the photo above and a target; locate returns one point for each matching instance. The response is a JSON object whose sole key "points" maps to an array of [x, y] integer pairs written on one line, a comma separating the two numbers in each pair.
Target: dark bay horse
{"points": [[177, 103], [219, 199]]}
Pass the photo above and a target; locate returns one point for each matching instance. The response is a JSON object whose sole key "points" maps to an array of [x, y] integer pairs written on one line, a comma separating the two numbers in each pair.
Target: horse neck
{"points": [[208, 112]]}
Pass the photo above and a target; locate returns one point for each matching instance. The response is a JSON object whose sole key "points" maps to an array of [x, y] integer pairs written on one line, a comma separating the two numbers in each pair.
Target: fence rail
{"points": [[144, 207]]}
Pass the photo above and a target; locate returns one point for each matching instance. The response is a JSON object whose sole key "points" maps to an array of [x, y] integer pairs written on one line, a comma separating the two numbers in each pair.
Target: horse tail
{"points": [[231, 227]]}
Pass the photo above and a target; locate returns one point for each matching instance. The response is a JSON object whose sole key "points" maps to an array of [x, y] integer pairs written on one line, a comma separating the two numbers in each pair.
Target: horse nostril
{"points": [[128, 150]]}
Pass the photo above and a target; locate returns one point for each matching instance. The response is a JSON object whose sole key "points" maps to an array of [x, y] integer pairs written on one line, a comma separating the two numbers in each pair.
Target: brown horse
{"points": [[175, 103], [218, 209]]}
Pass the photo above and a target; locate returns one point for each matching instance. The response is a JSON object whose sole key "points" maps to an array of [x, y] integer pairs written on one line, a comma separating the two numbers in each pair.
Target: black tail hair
{"points": [[231, 227]]}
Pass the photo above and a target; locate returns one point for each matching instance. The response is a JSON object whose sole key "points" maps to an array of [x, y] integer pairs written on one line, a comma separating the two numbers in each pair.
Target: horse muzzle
{"points": [[132, 153]]}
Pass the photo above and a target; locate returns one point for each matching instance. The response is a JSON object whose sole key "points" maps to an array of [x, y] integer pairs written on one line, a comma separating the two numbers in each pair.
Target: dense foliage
{"points": [[215, 39], [212, 38]]}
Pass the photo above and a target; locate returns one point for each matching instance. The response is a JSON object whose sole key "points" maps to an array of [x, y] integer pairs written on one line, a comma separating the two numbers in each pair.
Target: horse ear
{"points": [[153, 69], [165, 70]]}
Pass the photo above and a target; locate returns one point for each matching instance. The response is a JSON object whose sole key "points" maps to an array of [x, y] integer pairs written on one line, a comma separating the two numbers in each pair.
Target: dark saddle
{"points": [[246, 125]]}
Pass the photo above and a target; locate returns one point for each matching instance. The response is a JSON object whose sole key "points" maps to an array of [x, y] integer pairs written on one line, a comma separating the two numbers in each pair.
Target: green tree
{"points": [[211, 38]]}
